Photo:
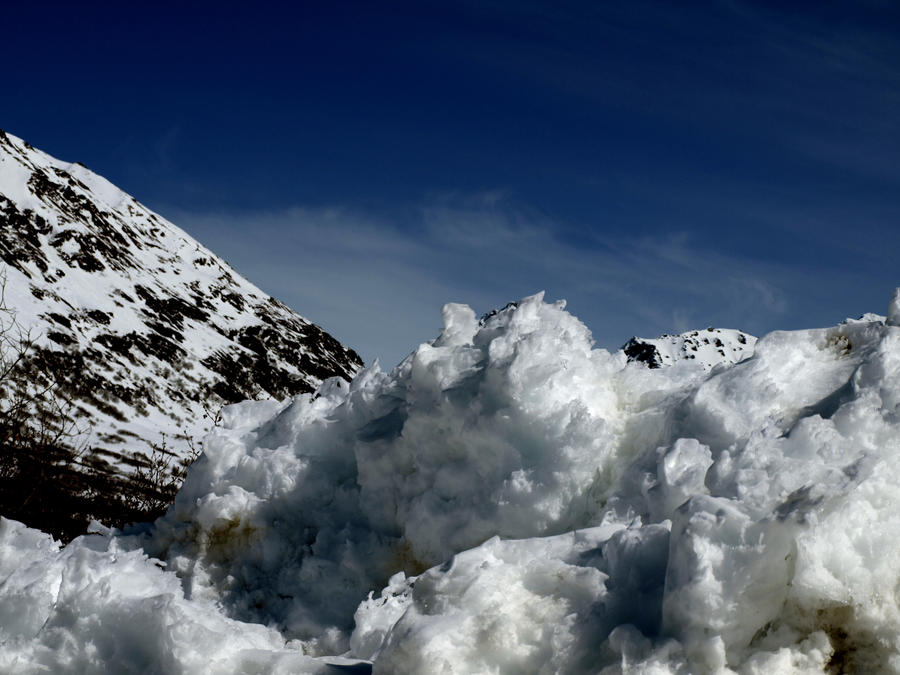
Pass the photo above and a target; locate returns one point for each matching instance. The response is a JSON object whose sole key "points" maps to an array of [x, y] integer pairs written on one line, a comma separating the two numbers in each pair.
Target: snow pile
{"points": [[96, 607], [512, 429], [509, 500], [147, 331]]}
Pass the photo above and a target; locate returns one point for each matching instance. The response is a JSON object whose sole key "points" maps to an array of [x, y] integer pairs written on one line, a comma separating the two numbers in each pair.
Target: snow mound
{"points": [[509, 499], [94, 607]]}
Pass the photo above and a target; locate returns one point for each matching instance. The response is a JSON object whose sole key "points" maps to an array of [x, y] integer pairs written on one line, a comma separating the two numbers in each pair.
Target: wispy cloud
{"points": [[165, 146], [379, 287]]}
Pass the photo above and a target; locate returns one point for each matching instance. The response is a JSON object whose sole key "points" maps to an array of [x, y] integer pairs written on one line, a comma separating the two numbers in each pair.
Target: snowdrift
{"points": [[509, 499]]}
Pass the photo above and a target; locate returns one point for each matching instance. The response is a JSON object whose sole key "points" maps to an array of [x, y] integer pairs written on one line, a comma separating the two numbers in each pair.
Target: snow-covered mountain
{"points": [[707, 348], [146, 329]]}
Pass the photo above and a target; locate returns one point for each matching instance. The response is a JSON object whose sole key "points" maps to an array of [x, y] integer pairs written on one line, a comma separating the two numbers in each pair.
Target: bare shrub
{"points": [[157, 477], [49, 478]]}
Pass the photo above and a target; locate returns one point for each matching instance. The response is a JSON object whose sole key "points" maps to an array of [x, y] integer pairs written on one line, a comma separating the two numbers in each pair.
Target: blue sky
{"points": [[660, 165]]}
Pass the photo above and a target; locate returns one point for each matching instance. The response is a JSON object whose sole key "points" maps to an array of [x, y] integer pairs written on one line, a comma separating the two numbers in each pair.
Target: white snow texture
{"points": [[510, 500]]}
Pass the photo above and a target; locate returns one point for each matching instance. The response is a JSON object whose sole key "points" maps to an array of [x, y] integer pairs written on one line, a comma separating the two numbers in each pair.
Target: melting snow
{"points": [[509, 499]]}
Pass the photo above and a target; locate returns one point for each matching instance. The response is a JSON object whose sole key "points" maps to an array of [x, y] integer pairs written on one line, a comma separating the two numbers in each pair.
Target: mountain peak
{"points": [[143, 328], [707, 348]]}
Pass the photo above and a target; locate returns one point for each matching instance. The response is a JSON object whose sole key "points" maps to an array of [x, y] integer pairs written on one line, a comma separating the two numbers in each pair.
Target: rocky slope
{"points": [[146, 331]]}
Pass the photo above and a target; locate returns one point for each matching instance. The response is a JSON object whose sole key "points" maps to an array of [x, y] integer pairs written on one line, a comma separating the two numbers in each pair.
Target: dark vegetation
{"points": [[49, 479]]}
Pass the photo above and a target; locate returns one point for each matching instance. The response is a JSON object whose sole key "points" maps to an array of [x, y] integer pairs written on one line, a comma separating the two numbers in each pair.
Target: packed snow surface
{"points": [[509, 499]]}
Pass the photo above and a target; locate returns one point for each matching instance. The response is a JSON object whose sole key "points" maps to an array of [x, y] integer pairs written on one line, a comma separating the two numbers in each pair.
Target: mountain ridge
{"points": [[708, 348], [145, 329]]}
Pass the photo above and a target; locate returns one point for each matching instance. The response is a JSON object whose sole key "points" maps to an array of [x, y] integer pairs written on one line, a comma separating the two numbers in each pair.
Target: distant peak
{"points": [[707, 348]]}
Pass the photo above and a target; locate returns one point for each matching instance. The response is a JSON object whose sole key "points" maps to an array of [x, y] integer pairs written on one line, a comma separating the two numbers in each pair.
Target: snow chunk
{"points": [[94, 607], [893, 315], [501, 428]]}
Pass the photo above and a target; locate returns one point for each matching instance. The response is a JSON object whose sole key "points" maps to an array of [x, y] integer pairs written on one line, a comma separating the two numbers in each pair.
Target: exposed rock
{"points": [[142, 327], [708, 348]]}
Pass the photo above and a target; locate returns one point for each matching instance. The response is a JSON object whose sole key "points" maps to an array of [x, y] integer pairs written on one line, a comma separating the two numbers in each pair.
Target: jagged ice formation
{"points": [[510, 499]]}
